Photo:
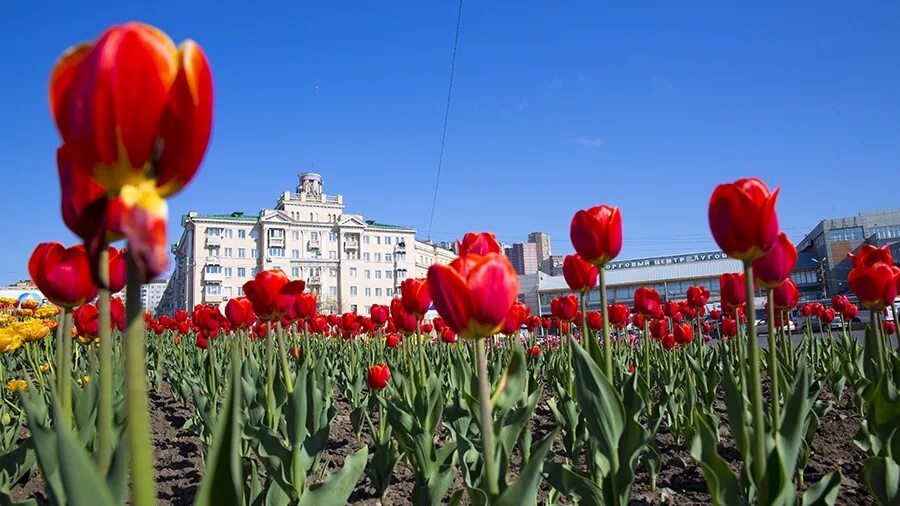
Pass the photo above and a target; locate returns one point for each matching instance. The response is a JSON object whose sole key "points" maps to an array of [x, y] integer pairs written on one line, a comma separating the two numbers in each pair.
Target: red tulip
{"points": [[874, 279], [595, 320], [668, 341], [534, 352], [117, 269], [565, 307], [478, 244], [786, 296], [889, 327], [580, 275], [264, 291], [646, 301], [448, 336], [618, 314], [348, 322], [62, 274], [742, 218], [181, 315], [474, 293], [596, 234], [827, 316], [515, 318], [715, 314], [305, 306], [287, 300], [771, 269], [806, 310], [379, 314], [415, 296], [677, 317], [378, 376], [683, 332], [697, 296], [404, 321], [816, 308], [670, 308], [531, 323], [177, 339], [658, 328], [546, 323], [630, 368], [733, 291], [318, 324], [202, 343], [117, 314], [86, 319], [391, 340], [296, 353], [729, 327], [839, 303], [239, 312], [578, 320], [438, 323], [850, 313], [637, 320], [183, 327]]}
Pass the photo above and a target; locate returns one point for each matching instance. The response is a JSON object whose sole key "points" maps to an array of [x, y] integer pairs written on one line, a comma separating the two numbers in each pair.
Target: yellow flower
{"points": [[45, 368], [31, 330], [87, 378], [14, 385], [6, 319], [9, 340], [24, 312], [46, 311], [80, 383], [30, 304]]}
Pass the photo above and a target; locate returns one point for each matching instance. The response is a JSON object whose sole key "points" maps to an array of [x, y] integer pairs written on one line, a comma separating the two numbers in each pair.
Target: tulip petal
{"points": [[61, 79], [493, 288], [451, 296]]}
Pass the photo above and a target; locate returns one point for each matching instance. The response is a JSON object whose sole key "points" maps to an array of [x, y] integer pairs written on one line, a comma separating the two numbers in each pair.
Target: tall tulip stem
{"points": [[282, 354], [105, 408], [142, 473], [774, 387], [270, 376], [64, 368], [487, 421], [753, 382], [607, 345]]}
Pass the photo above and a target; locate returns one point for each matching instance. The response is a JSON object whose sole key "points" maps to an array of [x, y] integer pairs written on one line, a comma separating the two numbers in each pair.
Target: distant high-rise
{"points": [[542, 246], [523, 257]]}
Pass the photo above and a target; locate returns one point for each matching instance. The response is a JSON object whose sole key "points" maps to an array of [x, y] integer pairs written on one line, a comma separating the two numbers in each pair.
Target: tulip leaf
{"points": [[720, 479], [882, 475], [600, 403], [524, 490], [224, 483], [512, 383], [336, 489], [83, 486], [823, 493], [45, 443], [117, 474], [572, 482]]}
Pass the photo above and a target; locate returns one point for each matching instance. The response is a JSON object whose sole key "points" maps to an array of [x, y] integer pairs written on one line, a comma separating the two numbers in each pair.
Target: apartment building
{"points": [[351, 262]]}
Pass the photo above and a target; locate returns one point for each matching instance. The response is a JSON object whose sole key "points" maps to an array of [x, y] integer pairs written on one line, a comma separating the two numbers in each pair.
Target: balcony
{"points": [[212, 299], [213, 240], [213, 277], [276, 242], [313, 244], [351, 245]]}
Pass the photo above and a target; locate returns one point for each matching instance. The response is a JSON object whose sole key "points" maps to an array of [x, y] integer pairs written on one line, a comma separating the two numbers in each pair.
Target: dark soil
{"points": [[680, 481]]}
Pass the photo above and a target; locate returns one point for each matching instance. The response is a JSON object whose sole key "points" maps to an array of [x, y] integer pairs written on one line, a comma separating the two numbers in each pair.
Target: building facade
{"points": [[831, 240], [152, 294], [542, 246], [523, 257], [349, 261]]}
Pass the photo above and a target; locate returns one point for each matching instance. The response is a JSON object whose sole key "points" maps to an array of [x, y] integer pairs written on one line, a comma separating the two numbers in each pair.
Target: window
{"points": [[240, 291], [227, 253], [377, 274], [295, 235], [389, 292], [276, 233], [366, 257], [276, 252], [332, 255], [314, 254], [228, 272], [368, 274], [332, 236], [213, 232], [400, 257], [333, 290], [378, 292], [254, 253], [387, 240], [389, 274], [377, 239], [888, 232], [242, 234], [845, 234], [295, 253], [242, 253], [226, 291], [312, 217], [377, 257], [401, 273], [368, 292], [332, 273], [213, 289], [365, 239], [313, 236], [295, 272], [228, 233], [353, 272], [254, 271], [387, 257], [254, 234], [353, 290], [242, 272], [805, 277], [212, 251], [213, 269]]}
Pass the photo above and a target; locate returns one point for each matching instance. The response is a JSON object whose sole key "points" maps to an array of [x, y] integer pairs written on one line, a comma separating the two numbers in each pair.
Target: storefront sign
{"points": [[669, 260]]}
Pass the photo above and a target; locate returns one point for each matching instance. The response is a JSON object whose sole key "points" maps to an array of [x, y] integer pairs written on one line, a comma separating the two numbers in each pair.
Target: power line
{"points": [[437, 181]]}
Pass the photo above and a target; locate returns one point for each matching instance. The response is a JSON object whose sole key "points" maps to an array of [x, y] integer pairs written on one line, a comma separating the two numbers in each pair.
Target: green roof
{"points": [[373, 223], [236, 216]]}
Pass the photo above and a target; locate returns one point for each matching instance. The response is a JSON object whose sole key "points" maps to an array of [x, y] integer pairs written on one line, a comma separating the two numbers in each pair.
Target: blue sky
{"points": [[556, 107]]}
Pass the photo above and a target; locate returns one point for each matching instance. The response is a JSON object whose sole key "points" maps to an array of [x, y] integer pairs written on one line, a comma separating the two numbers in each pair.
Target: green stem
{"points": [[270, 376], [774, 387], [65, 371], [896, 324], [143, 476], [753, 382], [607, 345], [487, 422], [105, 408], [286, 370]]}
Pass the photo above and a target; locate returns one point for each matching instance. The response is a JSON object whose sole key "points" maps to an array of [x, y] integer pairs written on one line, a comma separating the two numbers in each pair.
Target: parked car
{"points": [[816, 325], [762, 326]]}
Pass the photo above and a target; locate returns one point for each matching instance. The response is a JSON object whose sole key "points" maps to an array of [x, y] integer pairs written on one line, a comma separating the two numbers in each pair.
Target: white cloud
{"points": [[593, 143]]}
